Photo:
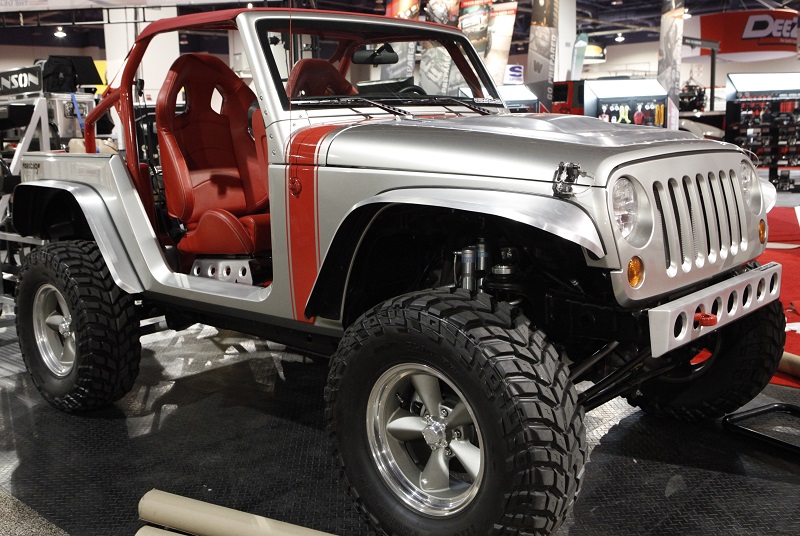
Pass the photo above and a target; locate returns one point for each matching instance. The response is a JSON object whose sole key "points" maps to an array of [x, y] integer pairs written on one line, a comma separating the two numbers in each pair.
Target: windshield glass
{"points": [[319, 63]]}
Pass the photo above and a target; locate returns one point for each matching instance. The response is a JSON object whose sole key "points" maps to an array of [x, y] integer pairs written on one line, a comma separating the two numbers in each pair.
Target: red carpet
{"points": [[783, 225], [784, 379]]}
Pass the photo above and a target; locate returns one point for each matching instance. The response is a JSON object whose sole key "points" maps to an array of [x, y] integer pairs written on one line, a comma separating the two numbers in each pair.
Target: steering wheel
{"points": [[413, 89]]}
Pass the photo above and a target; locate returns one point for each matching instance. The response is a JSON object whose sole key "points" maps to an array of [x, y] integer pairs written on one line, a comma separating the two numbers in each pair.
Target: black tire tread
{"points": [[757, 357], [522, 374], [106, 324]]}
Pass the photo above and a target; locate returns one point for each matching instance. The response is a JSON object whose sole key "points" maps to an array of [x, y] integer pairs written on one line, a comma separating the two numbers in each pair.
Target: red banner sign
{"points": [[738, 32]]}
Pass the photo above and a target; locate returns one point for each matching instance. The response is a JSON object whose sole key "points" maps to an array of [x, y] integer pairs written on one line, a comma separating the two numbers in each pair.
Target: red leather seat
{"points": [[212, 180], [312, 77]]}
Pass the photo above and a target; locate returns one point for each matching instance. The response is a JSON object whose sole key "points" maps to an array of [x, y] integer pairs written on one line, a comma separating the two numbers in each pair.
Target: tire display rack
{"points": [[230, 420], [766, 122]]}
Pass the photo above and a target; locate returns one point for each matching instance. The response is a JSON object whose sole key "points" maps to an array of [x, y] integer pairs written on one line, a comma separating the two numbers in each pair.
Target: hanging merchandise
{"points": [[763, 116], [604, 116], [638, 117], [623, 114], [638, 102], [692, 97], [659, 120]]}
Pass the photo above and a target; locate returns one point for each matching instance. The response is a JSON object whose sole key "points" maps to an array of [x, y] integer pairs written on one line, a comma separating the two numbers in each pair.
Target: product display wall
{"points": [[763, 118]]}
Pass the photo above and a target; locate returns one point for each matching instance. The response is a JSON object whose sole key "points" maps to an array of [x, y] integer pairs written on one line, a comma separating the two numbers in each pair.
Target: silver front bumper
{"points": [[672, 324]]}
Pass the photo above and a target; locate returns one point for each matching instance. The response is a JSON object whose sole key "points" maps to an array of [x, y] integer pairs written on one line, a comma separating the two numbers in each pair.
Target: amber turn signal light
{"points": [[762, 231], [635, 272]]}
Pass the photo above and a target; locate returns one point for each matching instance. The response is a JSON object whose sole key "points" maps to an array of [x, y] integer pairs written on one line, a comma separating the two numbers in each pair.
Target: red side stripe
{"points": [[302, 220]]}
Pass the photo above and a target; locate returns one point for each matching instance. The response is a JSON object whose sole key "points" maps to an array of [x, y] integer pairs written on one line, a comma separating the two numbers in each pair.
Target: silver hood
{"points": [[522, 146]]}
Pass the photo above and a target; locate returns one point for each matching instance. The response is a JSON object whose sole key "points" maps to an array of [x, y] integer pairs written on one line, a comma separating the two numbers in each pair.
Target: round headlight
{"points": [[751, 187], [625, 205]]}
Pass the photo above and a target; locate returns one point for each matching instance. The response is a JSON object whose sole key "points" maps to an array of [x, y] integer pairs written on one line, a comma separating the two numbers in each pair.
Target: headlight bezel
{"points": [[750, 186], [638, 226]]}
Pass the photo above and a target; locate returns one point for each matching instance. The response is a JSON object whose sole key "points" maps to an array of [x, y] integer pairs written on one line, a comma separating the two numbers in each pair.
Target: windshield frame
{"points": [[376, 30]]}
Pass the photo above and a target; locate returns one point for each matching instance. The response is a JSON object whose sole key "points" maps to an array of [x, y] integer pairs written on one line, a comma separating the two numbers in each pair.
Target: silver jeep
{"points": [[360, 192]]}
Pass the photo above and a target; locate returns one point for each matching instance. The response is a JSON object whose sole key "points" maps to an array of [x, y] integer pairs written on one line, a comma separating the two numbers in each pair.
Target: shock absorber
{"points": [[468, 259], [475, 265], [483, 262]]}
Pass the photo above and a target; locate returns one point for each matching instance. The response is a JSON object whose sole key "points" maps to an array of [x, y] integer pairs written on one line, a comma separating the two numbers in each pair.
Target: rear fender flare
{"points": [[555, 216], [30, 201]]}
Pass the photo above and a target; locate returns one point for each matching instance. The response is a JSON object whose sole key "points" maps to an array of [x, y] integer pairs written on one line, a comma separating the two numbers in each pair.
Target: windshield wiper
{"points": [[385, 107], [393, 109], [352, 100], [474, 107]]}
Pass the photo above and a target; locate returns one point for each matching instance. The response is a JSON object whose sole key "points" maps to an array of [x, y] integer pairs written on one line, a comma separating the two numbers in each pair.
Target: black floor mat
{"points": [[222, 418]]}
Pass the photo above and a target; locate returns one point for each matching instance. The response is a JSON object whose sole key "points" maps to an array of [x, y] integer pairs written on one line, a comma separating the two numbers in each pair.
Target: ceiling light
{"points": [[60, 32], [249, 6], [594, 54], [616, 3], [686, 14], [619, 38]]}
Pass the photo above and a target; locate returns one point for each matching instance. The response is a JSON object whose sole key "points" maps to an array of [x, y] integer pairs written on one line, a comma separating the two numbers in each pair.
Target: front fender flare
{"points": [[555, 216], [30, 199]]}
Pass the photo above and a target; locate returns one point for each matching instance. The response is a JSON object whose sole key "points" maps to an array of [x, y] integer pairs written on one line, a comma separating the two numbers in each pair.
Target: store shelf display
{"points": [[765, 122], [635, 102]]}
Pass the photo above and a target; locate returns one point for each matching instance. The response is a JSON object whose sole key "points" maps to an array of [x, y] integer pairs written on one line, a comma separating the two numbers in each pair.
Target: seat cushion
{"points": [[218, 232], [314, 77], [258, 227]]}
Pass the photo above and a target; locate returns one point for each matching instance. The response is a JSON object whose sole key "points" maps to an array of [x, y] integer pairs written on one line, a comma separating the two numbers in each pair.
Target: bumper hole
{"points": [[733, 302], [716, 306], [747, 296], [761, 291], [680, 326]]}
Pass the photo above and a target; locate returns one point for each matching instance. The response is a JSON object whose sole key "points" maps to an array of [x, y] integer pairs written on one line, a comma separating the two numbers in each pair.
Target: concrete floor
{"points": [[788, 199], [16, 519]]}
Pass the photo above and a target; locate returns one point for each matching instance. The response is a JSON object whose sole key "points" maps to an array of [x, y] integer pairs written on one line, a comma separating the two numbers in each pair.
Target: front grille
{"points": [[702, 219]]}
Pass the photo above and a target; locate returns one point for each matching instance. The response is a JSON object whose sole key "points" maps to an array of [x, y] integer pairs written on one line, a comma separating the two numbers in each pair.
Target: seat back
{"points": [[208, 159], [313, 77]]}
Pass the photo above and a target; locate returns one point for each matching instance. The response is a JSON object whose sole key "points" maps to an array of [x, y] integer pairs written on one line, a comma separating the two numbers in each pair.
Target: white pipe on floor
{"points": [[153, 531], [204, 519], [790, 364]]}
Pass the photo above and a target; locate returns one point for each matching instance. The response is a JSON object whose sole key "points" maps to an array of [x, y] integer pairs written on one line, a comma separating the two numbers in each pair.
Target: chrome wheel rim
{"points": [[52, 328], [425, 440]]}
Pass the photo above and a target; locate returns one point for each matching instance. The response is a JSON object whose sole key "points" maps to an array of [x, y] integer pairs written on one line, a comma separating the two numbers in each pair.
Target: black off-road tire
{"points": [[745, 357], [525, 421], [78, 331]]}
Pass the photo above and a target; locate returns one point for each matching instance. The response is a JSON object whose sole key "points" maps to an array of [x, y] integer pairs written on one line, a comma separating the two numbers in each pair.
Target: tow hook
{"points": [[705, 319]]}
